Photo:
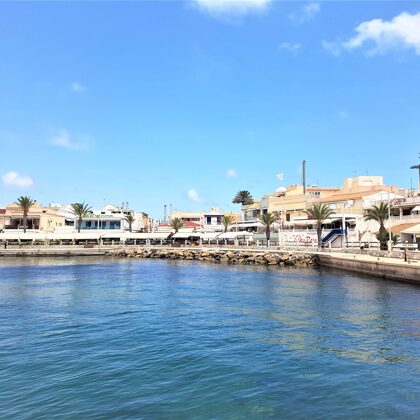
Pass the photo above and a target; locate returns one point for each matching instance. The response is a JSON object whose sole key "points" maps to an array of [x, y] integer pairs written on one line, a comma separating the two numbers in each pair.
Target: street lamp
{"points": [[418, 168]]}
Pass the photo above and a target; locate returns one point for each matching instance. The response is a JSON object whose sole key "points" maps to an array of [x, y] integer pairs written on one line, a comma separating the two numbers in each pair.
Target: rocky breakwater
{"points": [[220, 256]]}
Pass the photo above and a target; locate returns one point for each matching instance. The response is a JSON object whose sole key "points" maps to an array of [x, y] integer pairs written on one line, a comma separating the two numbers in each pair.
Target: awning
{"points": [[186, 235], [417, 208], [209, 235], [235, 235], [158, 235], [414, 230]]}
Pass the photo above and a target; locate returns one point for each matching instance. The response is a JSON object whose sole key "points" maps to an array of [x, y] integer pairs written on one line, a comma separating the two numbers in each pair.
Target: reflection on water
{"points": [[127, 338]]}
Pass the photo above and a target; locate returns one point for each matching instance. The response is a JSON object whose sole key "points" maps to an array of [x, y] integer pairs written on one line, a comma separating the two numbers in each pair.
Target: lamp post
{"points": [[389, 226], [418, 168]]}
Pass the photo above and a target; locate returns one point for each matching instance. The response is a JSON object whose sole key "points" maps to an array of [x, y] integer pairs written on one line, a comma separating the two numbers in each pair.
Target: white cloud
{"points": [[76, 87], [306, 12], [65, 140], [15, 180], [403, 31], [293, 48], [194, 196], [231, 173], [332, 47], [218, 8]]}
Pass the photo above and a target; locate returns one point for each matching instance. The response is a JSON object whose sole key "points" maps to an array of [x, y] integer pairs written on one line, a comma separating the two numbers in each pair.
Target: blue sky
{"points": [[188, 102]]}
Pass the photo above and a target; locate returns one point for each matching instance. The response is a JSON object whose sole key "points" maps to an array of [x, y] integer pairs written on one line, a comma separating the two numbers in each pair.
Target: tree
{"points": [[243, 197], [80, 210], [267, 219], [319, 212], [379, 213], [25, 203], [176, 224], [130, 219], [227, 220]]}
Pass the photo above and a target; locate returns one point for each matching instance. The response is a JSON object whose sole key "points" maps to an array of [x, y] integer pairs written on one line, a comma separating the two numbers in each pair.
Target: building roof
{"points": [[414, 230], [191, 224], [399, 228], [347, 196]]}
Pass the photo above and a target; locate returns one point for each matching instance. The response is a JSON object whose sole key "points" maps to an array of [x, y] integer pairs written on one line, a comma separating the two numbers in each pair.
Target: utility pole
{"points": [[164, 213]]}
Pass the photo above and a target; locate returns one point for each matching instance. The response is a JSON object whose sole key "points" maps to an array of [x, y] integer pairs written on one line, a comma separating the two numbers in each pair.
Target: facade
{"points": [[58, 218], [39, 218], [289, 203], [211, 219]]}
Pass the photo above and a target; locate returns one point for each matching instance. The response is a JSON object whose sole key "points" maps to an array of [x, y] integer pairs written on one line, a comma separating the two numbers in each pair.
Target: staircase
{"points": [[333, 235]]}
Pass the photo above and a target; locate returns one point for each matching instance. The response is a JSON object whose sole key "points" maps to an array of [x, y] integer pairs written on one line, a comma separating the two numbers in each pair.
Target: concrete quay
{"points": [[383, 267]]}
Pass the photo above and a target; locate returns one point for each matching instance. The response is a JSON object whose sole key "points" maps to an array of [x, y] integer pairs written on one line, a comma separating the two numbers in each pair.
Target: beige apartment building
{"points": [[39, 218], [289, 203], [361, 193]]}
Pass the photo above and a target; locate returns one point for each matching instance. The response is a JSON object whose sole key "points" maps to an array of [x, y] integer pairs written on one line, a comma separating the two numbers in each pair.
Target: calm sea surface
{"points": [[83, 338]]}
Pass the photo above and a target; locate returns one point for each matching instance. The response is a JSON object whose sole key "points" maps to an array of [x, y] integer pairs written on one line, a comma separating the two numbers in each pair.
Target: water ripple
{"points": [[162, 339]]}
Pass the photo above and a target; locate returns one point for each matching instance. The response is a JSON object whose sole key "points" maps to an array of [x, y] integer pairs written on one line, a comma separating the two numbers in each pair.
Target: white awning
{"points": [[158, 235], [417, 208], [28, 236], [413, 230], [186, 235], [209, 235], [235, 235]]}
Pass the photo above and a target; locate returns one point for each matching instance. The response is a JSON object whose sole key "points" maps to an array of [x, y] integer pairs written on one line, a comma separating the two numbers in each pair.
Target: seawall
{"points": [[52, 252], [386, 268]]}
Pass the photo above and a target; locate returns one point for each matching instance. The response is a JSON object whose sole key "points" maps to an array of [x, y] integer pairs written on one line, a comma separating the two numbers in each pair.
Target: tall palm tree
{"points": [[130, 219], [176, 224], [25, 203], [267, 219], [380, 214], [319, 212], [227, 220], [243, 197], [80, 210]]}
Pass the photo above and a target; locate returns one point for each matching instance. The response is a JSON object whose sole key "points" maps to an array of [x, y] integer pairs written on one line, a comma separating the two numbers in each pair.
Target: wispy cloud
{"points": [[63, 139], [232, 173], [13, 179], [332, 47], [194, 196], [77, 87], [230, 8], [306, 13], [401, 32], [291, 47]]}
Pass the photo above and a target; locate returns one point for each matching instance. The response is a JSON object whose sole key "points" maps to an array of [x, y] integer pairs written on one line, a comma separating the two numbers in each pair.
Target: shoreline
{"points": [[380, 267]]}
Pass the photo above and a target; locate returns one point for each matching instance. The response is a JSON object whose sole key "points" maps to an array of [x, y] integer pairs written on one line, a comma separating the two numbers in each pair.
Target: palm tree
{"points": [[227, 220], [25, 203], [176, 224], [319, 212], [267, 219], [243, 197], [80, 210], [130, 219], [379, 213]]}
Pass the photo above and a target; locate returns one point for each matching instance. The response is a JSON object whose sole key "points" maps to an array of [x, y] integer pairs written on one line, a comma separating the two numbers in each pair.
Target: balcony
{"points": [[411, 218]]}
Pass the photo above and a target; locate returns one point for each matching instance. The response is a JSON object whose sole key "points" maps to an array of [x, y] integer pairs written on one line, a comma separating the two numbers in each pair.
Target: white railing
{"points": [[407, 218]]}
